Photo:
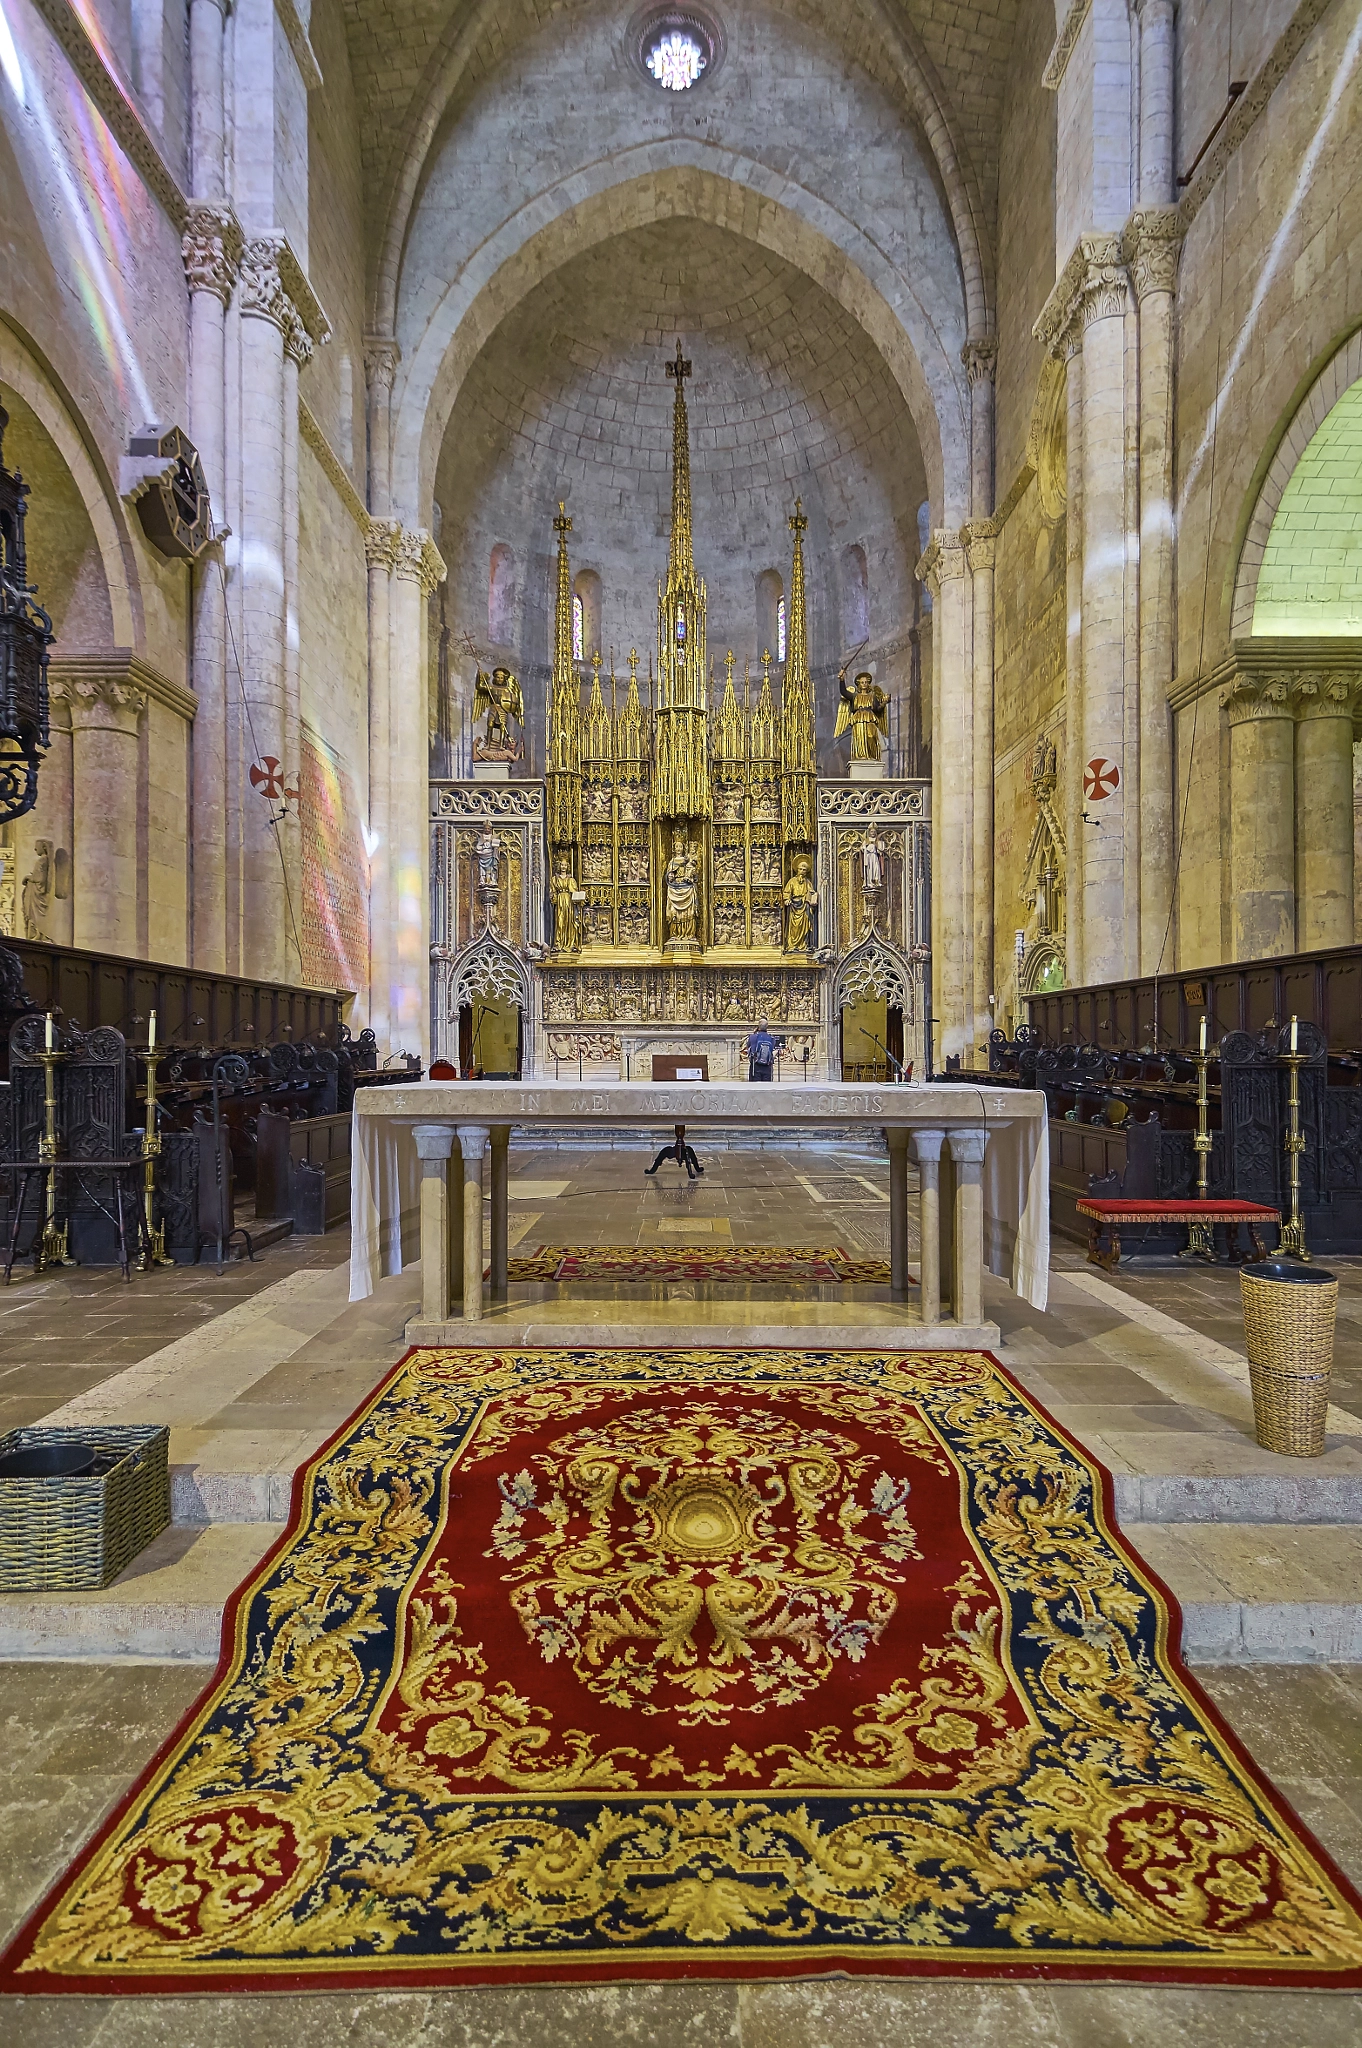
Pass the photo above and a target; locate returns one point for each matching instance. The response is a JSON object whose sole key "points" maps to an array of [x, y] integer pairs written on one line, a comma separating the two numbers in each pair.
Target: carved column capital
{"points": [[1093, 285], [417, 559], [1250, 697], [381, 537], [1324, 695], [381, 358], [101, 701], [1152, 246], [297, 340], [211, 245], [980, 359], [943, 561], [980, 537], [274, 287]]}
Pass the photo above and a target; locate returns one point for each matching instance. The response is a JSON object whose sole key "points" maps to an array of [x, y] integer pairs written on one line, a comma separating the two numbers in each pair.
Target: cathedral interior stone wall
{"points": [[1051, 332]]}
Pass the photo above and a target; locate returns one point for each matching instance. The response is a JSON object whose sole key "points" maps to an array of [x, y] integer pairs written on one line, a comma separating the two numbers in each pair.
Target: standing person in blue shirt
{"points": [[761, 1052]]}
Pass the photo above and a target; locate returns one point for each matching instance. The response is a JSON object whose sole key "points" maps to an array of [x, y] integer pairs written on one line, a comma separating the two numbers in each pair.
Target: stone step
{"points": [[1260, 1593], [167, 1605], [1249, 1594], [1251, 1496]]}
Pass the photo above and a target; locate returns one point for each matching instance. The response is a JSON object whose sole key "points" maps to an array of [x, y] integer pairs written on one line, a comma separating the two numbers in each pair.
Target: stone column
{"points": [[381, 358], [1324, 810], [266, 314], [1071, 351], [898, 1212], [212, 251], [980, 548], [1156, 101], [380, 554], [472, 1142], [418, 570], [501, 1173], [207, 121], [434, 1144], [980, 359], [943, 566], [1103, 297], [1153, 243], [1262, 819], [967, 1150], [927, 1146], [104, 776], [297, 354]]}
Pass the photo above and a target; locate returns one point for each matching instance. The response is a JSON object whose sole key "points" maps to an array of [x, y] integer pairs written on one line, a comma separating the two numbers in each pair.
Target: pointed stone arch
{"points": [[688, 179], [871, 970]]}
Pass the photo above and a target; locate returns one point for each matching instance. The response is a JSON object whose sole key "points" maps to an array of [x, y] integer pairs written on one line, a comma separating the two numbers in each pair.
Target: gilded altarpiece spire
{"points": [[680, 835]]}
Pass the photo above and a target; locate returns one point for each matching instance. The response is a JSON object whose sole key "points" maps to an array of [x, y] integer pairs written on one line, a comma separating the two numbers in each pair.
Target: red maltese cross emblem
{"points": [[1100, 778]]}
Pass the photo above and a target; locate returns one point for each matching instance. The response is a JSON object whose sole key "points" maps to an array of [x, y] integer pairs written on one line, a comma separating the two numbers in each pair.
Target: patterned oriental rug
{"points": [[646, 1664], [821, 1264]]}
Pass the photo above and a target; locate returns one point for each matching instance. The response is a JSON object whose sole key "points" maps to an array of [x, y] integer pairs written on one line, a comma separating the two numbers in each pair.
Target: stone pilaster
{"points": [[945, 570], [105, 714], [980, 359], [981, 546], [212, 247], [1086, 314], [417, 570], [1153, 244], [1262, 817], [281, 322], [381, 539], [1324, 705]]}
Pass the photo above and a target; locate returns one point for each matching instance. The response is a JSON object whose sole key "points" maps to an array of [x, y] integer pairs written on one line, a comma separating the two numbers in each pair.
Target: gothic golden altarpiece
{"points": [[681, 872]]}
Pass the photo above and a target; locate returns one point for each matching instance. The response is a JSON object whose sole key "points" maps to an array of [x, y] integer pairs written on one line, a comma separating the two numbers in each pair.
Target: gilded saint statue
{"points": [[800, 898], [864, 712], [567, 937], [683, 892], [497, 698]]}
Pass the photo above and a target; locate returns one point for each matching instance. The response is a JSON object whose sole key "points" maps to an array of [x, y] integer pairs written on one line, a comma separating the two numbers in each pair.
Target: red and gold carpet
{"points": [[629, 1664], [823, 1265]]}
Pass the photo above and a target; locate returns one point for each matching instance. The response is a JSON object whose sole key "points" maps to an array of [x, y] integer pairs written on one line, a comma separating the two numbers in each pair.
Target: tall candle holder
{"points": [[154, 1243], [1201, 1235], [1293, 1230], [53, 1247]]}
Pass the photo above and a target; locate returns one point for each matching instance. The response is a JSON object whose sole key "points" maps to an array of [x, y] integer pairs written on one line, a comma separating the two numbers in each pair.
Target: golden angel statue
{"points": [[864, 712], [497, 698], [800, 898]]}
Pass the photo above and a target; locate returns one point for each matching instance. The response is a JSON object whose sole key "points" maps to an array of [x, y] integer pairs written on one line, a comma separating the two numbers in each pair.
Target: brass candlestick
{"points": [[1293, 1230], [154, 1247], [52, 1247], [1200, 1234]]}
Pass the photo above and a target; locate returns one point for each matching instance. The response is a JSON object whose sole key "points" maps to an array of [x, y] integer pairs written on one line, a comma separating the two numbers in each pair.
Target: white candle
{"points": [[151, 1035], [49, 1031], [1293, 1034], [1203, 1031]]}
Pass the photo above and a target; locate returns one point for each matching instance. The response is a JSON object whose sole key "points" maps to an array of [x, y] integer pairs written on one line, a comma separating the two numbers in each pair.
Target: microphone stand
{"points": [[897, 1065]]}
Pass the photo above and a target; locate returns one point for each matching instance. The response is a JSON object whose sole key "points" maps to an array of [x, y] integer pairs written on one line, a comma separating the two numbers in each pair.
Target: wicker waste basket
{"points": [[80, 1505], [1289, 1312]]}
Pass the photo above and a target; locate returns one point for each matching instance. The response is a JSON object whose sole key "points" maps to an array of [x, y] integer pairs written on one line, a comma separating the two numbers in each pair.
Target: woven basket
{"points": [[1289, 1327], [78, 1534]]}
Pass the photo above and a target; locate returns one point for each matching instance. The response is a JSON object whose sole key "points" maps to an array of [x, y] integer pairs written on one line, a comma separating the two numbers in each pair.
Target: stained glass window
{"points": [[676, 60], [780, 630], [578, 628]]}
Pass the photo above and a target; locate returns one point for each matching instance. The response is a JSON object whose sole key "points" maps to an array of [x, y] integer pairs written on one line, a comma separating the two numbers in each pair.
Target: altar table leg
{"points": [[501, 1173], [898, 1213], [434, 1144], [473, 1142], [967, 1150], [927, 1145]]}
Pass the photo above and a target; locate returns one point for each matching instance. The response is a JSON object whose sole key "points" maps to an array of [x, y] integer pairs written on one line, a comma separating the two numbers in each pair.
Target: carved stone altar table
{"points": [[982, 1156]]}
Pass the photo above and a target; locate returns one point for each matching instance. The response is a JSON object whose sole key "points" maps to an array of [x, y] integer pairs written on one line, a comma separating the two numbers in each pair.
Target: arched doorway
{"points": [[872, 1001], [489, 999]]}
